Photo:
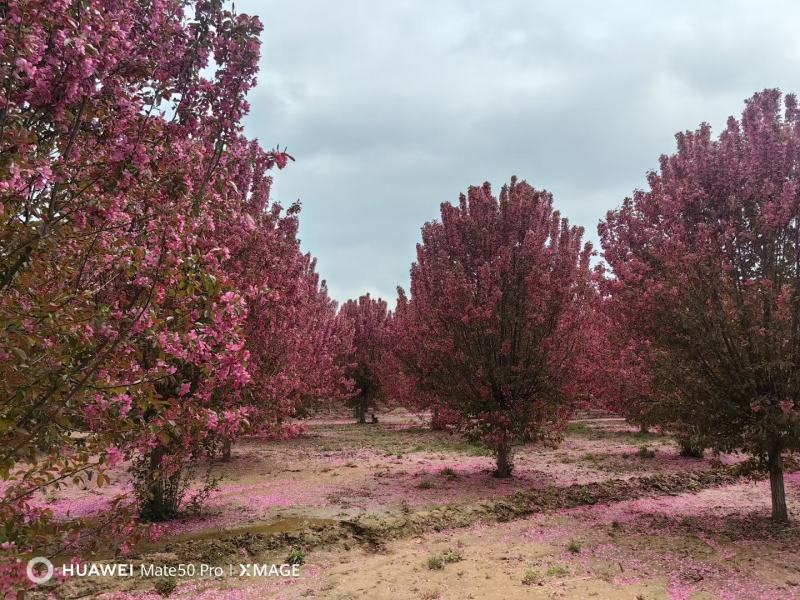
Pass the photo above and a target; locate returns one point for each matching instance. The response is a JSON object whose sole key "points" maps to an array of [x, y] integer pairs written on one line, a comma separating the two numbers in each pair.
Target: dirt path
{"points": [[398, 511], [374, 529], [700, 545]]}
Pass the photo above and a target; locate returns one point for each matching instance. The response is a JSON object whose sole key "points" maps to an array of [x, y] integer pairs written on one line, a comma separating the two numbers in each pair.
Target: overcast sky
{"points": [[391, 107]]}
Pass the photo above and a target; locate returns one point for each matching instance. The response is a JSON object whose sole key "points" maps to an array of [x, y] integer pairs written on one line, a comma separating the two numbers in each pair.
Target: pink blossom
{"points": [[113, 456]]}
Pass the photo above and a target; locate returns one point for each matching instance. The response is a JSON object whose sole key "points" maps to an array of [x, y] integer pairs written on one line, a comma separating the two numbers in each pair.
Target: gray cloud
{"points": [[394, 107]]}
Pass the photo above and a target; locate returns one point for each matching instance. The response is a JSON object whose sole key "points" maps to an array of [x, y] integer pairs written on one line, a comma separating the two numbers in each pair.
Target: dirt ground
{"points": [[396, 511]]}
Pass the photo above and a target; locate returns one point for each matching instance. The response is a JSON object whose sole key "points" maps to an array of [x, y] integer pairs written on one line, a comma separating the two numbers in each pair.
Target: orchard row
{"points": [[155, 303]]}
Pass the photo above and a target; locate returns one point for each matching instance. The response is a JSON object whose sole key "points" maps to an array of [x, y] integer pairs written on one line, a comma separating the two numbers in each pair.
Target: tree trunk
{"points": [[779, 512], [362, 407], [227, 447], [436, 423], [361, 412], [643, 429], [504, 465], [154, 507]]}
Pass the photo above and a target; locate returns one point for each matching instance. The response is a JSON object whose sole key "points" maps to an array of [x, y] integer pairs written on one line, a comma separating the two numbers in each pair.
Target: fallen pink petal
{"points": [[399, 300]]}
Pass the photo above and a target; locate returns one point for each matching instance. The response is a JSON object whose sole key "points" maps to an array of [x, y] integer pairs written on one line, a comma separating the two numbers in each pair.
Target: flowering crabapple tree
{"points": [[706, 267], [617, 371], [304, 364], [291, 334], [495, 315], [615, 367], [398, 384], [369, 319], [165, 468], [121, 334]]}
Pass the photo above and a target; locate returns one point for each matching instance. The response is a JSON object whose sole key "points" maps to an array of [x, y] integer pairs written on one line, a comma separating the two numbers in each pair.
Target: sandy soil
{"points": [[372, 510]]}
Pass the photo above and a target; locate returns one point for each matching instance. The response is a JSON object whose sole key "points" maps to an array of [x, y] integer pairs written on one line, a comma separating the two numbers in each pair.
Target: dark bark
{"points": [[504, 465], [227, 447], [779, 512], [361, 408], [155, 507], [361, 413]]}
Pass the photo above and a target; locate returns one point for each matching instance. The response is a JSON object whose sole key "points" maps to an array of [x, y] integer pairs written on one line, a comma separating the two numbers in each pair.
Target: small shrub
{"points": [[425, 484], [296, 556], [531, 577], [557, 571], [166, 586], [692, 452], [574, 547], [645, 452], [198, 499], [448, 474], [691, 446], [435, 563], [452, 556]]}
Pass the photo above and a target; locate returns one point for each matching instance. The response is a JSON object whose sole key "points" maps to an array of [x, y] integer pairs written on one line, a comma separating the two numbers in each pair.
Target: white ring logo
{"points": [[43, 578]]}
